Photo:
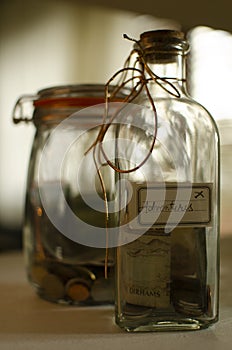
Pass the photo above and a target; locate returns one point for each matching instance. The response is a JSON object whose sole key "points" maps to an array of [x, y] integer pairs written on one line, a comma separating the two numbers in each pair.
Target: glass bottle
{"points": [[64, 268], [167, 276]]}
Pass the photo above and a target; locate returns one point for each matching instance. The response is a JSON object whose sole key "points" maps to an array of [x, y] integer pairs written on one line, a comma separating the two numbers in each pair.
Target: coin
{"points": [[77, 290]]}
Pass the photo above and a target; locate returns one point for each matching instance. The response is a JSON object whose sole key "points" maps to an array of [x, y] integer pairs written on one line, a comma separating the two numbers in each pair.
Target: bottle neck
{"points": [[171, 69]]}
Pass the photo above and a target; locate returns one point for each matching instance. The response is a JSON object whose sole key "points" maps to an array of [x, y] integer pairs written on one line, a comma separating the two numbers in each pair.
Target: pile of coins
{"points": [[57, 282]]}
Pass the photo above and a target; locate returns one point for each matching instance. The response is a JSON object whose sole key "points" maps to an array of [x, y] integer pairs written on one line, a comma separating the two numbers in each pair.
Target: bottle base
{"points": [[166, 326]]}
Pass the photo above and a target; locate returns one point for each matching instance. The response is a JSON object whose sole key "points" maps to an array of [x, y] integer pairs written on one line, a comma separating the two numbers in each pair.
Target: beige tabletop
{"points": [[28, 322]]}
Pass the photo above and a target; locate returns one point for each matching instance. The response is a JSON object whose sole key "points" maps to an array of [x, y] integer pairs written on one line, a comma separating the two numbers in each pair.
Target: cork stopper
{"points": [[163, 44], [162, 35]]}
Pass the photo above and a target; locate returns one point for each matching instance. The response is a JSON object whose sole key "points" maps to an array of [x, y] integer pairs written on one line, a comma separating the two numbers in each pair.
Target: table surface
{"points": [[28, 322]]}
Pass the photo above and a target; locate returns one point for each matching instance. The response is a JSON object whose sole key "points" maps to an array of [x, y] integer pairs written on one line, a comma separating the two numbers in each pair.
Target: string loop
{"points": [[140, 75]]}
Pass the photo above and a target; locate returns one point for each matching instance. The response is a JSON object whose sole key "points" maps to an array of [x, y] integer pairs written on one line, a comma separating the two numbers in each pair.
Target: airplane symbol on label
{"points": [[199, 194]]}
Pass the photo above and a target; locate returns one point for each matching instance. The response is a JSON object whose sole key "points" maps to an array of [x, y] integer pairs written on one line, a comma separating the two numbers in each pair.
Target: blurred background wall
{"points": [[55, 42]]}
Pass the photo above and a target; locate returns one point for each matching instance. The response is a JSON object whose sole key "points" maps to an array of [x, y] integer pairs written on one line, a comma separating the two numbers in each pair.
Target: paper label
{"points": [[156, 205], [147, 274]]}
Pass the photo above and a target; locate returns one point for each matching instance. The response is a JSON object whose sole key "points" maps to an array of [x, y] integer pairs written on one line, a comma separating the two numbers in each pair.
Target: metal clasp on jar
{"points": [[23, 109]]}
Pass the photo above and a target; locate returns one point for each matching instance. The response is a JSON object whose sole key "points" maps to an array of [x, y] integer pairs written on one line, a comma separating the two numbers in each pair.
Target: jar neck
{"points": [[172, 69]]}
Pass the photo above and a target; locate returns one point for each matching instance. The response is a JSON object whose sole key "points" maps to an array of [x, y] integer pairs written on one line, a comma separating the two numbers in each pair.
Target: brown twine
{"points": [[138, 81]]}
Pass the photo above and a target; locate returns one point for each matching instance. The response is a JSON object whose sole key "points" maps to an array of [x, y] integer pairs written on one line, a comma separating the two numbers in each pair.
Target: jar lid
{"points": [[58, 102], [81, 95]]}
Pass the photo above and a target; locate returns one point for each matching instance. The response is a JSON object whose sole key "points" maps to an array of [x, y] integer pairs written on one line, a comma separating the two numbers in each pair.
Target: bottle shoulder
{"points": [[182, 107], [197, 111]]}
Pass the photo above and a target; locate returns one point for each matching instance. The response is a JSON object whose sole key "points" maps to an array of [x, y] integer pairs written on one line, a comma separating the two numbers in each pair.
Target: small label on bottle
{"points": [[158, 205], [146, 278]]}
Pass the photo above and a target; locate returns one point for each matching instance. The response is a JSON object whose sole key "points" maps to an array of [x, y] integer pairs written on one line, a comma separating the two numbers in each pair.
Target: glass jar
{"points": [[167, 277], [63, 263]]}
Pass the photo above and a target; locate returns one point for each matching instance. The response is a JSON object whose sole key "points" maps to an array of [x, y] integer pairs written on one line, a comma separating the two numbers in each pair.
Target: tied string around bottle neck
{"points": [[140, 75]]}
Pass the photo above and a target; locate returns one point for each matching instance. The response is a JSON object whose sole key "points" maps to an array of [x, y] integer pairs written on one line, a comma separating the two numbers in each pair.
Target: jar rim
{"points": [[62, 100], [59, 102], [72, 90], [76, 95]]}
